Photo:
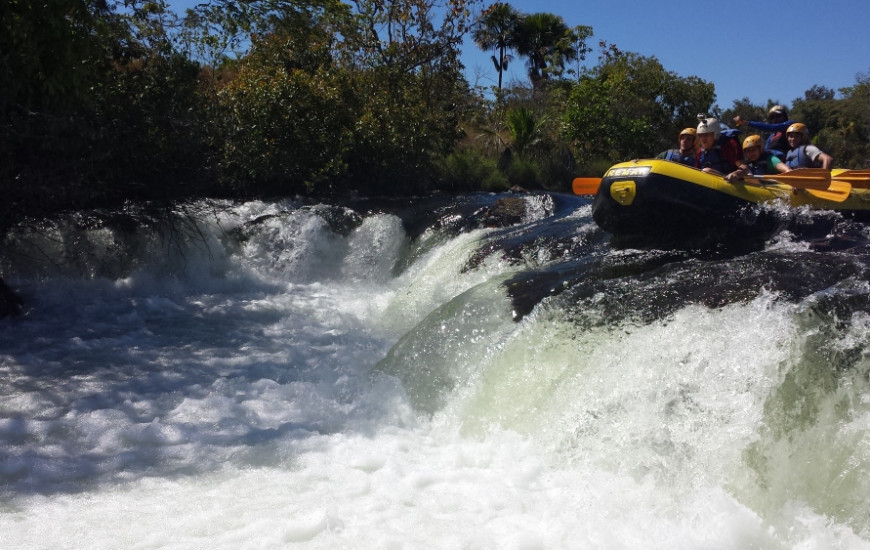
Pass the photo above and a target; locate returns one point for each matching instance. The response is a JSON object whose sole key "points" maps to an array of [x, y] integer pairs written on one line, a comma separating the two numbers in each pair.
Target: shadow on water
{"points": [[125, 385]]}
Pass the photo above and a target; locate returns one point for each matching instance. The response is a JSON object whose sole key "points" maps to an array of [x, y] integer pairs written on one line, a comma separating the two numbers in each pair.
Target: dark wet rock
{"points": [[505, 212], [340, 220], [10, 303]]}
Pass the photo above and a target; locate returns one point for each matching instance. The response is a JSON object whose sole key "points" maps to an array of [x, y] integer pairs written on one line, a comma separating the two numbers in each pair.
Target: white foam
{"points": [[245, 411]]}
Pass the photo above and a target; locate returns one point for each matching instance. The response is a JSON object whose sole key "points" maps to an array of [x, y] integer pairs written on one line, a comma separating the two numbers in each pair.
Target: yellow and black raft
{"points": [[662, 199]]}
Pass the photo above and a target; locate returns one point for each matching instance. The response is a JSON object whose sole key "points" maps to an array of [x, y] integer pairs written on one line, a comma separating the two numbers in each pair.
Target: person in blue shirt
{"points": [[686, 153], [777, 142]]}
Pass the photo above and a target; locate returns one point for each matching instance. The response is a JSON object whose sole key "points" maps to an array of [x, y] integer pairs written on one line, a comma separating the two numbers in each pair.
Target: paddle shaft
{"points": [[860, 179], [836, 191], [801, 178]]}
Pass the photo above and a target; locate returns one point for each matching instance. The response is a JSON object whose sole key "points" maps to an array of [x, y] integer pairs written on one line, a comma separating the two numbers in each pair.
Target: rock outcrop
{"points": [[10, 303]]}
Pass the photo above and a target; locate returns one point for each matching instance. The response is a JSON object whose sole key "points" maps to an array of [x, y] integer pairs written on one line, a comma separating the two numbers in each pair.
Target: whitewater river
{"points": [[410, 375]]}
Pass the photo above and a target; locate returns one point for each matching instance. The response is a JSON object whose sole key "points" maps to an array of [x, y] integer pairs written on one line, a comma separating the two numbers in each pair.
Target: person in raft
{"points": [[719, 154], [802, 153], [760, 162], [686, 153], [776, 143]]}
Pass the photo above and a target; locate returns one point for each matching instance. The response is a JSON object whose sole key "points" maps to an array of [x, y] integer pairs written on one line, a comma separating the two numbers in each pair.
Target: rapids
{"points": [[425, 374]]}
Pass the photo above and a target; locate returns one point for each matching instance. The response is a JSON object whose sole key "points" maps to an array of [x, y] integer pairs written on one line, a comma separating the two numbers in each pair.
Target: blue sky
{"points": [[755, 49], [760, 50]]}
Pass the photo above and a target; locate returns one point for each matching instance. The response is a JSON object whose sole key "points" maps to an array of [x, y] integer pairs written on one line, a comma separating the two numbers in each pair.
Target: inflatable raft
{"points": [[661, 199]]}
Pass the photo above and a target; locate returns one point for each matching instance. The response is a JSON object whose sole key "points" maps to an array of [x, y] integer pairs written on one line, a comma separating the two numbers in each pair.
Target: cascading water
{"points": [[413, 374]]}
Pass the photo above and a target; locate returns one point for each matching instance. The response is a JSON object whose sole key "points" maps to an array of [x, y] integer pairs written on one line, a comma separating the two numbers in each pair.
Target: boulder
{"points": [[505, 212], [10, 303]]}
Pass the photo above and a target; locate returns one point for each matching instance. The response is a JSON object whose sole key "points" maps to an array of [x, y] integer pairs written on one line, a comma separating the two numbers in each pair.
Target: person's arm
{"points": [[768, 127], [817, 155], [742, 170], [827, 160], [779, 165], [734, 155]]}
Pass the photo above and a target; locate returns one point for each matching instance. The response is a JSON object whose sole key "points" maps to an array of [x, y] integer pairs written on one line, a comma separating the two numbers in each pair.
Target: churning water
{"points": [[427, 374]]}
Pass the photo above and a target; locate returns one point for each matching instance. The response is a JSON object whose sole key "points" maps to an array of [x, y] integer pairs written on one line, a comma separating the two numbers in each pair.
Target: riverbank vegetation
{"points": [[104, 102]]}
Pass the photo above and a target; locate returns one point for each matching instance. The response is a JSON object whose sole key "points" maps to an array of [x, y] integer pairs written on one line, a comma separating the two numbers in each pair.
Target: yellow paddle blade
{"points": [[815, 181], [586, 186], [839, 191]]}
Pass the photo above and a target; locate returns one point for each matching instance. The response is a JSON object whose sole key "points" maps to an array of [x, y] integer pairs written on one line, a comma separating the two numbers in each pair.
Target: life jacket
{"points": [[715, 158], [712, 158], [674, 155], [760, 167], [777, 143], [797, 158]]}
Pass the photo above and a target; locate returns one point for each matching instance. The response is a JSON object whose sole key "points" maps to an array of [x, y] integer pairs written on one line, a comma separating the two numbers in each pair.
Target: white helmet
{"points": [[709, 125]]}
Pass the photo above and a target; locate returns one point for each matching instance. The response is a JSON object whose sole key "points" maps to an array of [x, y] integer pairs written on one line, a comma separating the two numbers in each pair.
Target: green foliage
{"points": [[540, 39], [50, 52], [839, 126], [99, 106], [326, 100], [402, 122], [409, 87], [557, 168], [148, 123], [286, 115], [468, 170], [745, 110], [495, 29], [543, 39], [526, 130], [523, 173], [628, 107], [406, 35], [301, 118], [99, 109]]}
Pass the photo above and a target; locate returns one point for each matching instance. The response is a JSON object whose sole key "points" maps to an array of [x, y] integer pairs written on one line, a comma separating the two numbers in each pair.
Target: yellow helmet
{"points": [[798, 128], [777, 110], [753, 141], [689, 132]]}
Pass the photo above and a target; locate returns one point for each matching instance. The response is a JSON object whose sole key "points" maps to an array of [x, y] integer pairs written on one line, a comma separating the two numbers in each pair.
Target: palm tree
{"points": [[547, 42], [526, 130], [495, 28]]}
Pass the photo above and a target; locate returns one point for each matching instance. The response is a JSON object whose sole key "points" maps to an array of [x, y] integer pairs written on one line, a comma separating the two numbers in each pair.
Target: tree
{"points": [[409, 87], [96, 106], [840, 127], [547, 43], [526, 130], [495, 28], [819, 93], [815, 109], [329, 100], [745, 109], [407, 35], [576, 40], [287, 120], [629, 106], [50, 52]]}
